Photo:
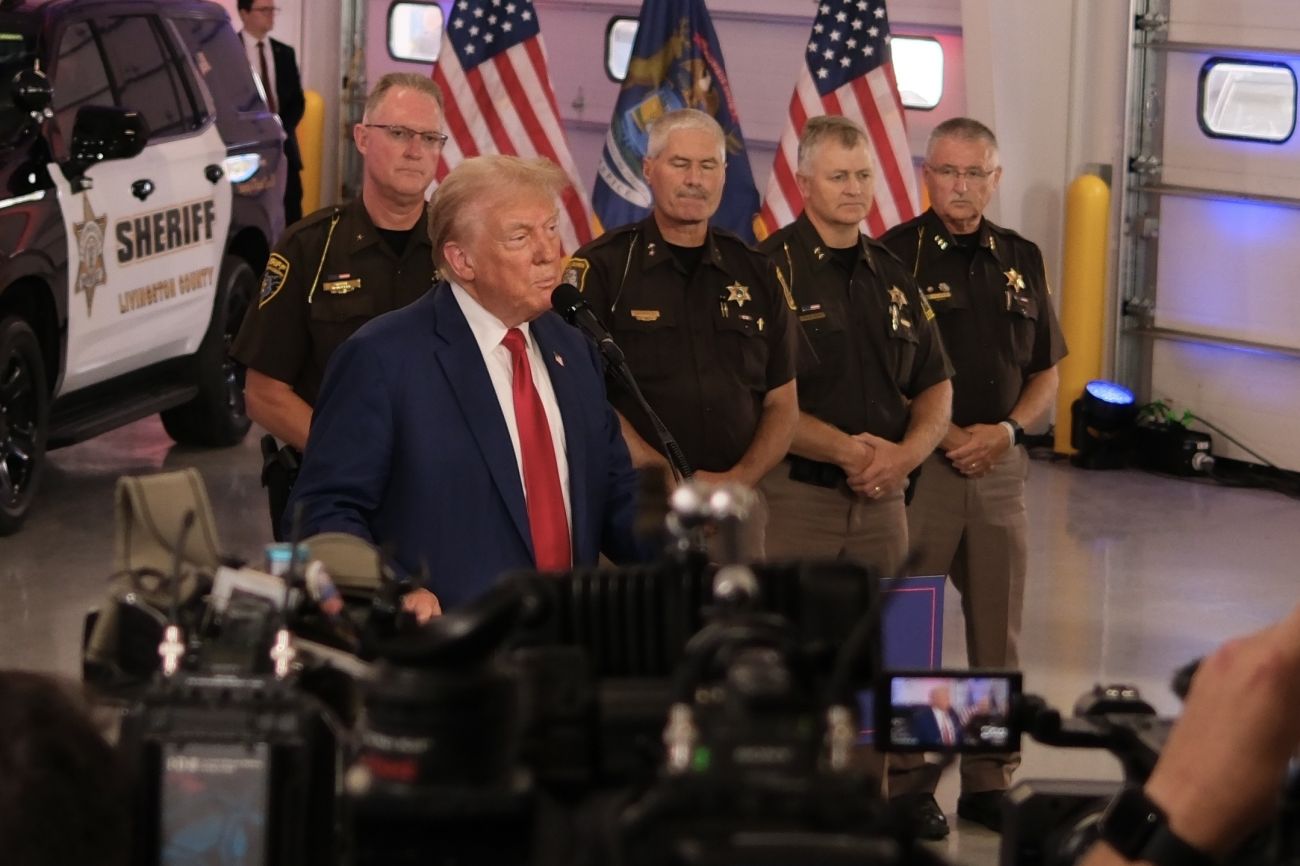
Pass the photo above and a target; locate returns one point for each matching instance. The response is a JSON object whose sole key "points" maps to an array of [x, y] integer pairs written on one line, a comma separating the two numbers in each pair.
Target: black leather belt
{"points": [[816, 473]]}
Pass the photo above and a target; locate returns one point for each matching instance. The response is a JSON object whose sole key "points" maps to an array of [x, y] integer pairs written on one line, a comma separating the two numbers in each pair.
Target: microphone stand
{"points": [[682, 470]]}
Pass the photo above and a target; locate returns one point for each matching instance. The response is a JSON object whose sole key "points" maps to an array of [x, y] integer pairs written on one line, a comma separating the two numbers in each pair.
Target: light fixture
{"points": [[1101, 426]]}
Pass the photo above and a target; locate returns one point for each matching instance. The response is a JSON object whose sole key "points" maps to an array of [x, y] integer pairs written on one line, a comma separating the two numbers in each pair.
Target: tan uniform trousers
{"points": [[810, 522], [975, 531]]}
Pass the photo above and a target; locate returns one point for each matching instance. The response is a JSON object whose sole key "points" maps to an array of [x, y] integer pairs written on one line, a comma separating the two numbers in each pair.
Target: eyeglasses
{"points": [[271, 10], [402, 135], [951, 173]]}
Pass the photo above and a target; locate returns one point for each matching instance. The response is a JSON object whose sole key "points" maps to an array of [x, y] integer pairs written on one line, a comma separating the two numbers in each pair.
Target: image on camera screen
{"points": [[959, 713], [214, 798]]}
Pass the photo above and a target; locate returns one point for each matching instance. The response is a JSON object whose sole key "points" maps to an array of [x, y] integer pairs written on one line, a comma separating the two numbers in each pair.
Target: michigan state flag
{"points": [[676, 63]]}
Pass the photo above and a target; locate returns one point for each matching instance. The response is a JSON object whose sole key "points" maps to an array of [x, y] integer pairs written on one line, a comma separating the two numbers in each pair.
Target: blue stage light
{"points": [[1102, 425], [1110, 392]]}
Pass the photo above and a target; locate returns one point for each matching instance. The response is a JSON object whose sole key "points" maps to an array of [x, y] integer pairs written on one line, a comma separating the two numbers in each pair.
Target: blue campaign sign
{"points": [[676, 63], [912, 632]]}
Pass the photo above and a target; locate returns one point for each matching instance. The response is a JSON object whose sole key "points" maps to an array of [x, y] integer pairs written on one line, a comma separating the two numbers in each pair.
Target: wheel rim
{"points": [[19, 412]]}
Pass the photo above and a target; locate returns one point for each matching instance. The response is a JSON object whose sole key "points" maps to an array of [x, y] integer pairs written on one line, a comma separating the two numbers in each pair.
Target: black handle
{"points": [[142, 189], [213, 172]]}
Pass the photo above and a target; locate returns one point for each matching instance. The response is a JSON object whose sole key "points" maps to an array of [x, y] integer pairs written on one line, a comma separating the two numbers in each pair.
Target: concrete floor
{"points": [[1131, 576]]}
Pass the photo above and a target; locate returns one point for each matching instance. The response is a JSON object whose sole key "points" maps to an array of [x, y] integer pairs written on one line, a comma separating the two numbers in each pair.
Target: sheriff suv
{"points": [[141, 182]]}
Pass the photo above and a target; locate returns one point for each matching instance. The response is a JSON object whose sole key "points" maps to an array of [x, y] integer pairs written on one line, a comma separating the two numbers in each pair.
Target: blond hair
{"points": [[482, 182]]}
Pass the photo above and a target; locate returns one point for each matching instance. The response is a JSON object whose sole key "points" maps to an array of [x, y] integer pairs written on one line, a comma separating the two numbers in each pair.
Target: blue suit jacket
{"points": [[409, 447]]}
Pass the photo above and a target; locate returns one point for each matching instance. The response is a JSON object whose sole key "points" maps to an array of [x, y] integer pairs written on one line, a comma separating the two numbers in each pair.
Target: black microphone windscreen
{"points": [[565, 300]]}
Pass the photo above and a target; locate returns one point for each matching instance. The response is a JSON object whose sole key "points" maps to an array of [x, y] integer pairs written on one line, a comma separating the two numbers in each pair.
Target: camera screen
{"points": [[940, 711], [214, 798]]}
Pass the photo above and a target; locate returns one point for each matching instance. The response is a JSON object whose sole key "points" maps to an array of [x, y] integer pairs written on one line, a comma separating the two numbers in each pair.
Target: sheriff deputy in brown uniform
{"points": [[707, 331], [989, 290], [340, 267], [877, 400]]}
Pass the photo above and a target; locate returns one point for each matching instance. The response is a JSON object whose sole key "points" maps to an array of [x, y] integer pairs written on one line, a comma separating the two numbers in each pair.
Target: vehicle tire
{"points": [[24, 419], [217, 417]]}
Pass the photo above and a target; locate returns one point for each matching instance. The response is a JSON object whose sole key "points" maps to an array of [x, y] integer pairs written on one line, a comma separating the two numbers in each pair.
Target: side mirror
{"points": [[31, 91], [103, 132]]}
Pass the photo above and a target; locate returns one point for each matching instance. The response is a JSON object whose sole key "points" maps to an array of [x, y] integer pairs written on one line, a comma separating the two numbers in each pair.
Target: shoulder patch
{"points": [[277, 270], [575, 272]]}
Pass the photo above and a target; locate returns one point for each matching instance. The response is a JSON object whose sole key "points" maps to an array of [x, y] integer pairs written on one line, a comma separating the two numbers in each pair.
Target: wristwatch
{"points": [[1139, 830], [1017, 432]]}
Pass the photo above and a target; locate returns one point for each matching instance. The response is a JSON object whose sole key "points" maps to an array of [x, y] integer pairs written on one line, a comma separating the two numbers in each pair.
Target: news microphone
{"points": [[574, 309]]}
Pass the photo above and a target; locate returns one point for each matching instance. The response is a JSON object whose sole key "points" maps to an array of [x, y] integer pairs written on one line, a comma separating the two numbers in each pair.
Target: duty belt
{"points": [[817, 473]]}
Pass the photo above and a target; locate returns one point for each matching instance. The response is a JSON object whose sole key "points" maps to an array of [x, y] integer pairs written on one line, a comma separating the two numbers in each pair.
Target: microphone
{"points": [[574, 309]]}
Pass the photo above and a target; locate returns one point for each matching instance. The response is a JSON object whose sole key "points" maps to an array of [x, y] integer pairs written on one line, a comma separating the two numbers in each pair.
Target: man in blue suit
{"points": [[937, 723], [470, 430]]}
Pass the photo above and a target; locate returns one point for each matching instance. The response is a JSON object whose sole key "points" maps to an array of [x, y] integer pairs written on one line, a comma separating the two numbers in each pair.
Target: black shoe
{"points": [[984, 808], [922, 815]]}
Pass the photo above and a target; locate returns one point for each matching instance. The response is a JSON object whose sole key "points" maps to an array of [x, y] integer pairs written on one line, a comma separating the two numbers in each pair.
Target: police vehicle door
{"points": [[1209, 254], [145, 241]]}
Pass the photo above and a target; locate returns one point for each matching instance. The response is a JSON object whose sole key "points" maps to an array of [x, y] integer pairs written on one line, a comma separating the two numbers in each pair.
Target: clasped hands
{"points": [[876, 467], [979, 446]]}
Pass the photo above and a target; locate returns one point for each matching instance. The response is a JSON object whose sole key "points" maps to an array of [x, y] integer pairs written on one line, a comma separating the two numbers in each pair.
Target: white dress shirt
{"points": [[488, 333]]}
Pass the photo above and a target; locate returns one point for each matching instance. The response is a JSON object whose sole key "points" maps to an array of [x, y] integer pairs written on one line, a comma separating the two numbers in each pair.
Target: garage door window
{"points": [[1247, 100]]}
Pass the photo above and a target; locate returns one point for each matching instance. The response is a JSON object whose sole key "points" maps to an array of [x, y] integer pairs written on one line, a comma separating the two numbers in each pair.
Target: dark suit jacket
{"points": [[409, 447], [289, 98], [926, 727]]}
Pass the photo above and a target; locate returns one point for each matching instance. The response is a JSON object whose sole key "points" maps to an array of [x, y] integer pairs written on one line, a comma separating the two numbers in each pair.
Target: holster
{"points": [[280, 465]]}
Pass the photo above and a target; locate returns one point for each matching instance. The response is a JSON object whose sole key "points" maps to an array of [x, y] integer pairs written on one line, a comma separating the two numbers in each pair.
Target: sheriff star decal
{"points": [[90, 252], [739, 294]]}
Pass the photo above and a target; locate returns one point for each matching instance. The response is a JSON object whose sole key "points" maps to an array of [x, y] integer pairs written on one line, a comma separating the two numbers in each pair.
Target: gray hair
{"points": [[828, 127], [963, 128], [410, 80], [684, 118]]}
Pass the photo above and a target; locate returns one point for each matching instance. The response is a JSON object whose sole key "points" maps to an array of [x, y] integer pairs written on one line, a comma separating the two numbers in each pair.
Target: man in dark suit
{"points": [[470, 431], [279, 75]]}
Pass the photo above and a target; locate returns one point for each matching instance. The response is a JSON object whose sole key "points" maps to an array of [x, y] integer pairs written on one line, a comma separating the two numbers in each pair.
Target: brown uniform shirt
{"points": [[705, 347], [876, 343], [329, 275], [993, 306]]}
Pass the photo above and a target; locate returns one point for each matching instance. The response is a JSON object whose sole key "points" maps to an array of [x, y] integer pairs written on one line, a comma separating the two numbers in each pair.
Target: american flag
{"points": [[847, 71], [492, 71]]}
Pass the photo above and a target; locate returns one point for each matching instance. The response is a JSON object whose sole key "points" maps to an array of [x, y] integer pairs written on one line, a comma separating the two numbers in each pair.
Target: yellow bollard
{"points": [[1083, 295], [311, 143]]}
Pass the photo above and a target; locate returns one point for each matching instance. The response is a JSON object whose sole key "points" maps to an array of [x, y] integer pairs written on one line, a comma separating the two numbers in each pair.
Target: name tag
{"points": [[341, 287], [645, 315]]}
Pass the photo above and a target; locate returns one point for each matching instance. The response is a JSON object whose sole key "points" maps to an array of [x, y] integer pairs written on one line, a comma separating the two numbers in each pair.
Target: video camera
{"points": [[671, 713], [1053, 822]]}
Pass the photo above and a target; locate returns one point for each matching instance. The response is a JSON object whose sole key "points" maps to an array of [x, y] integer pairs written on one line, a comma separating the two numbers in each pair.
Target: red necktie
{"points": [[266, 77], [545, 498]]}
